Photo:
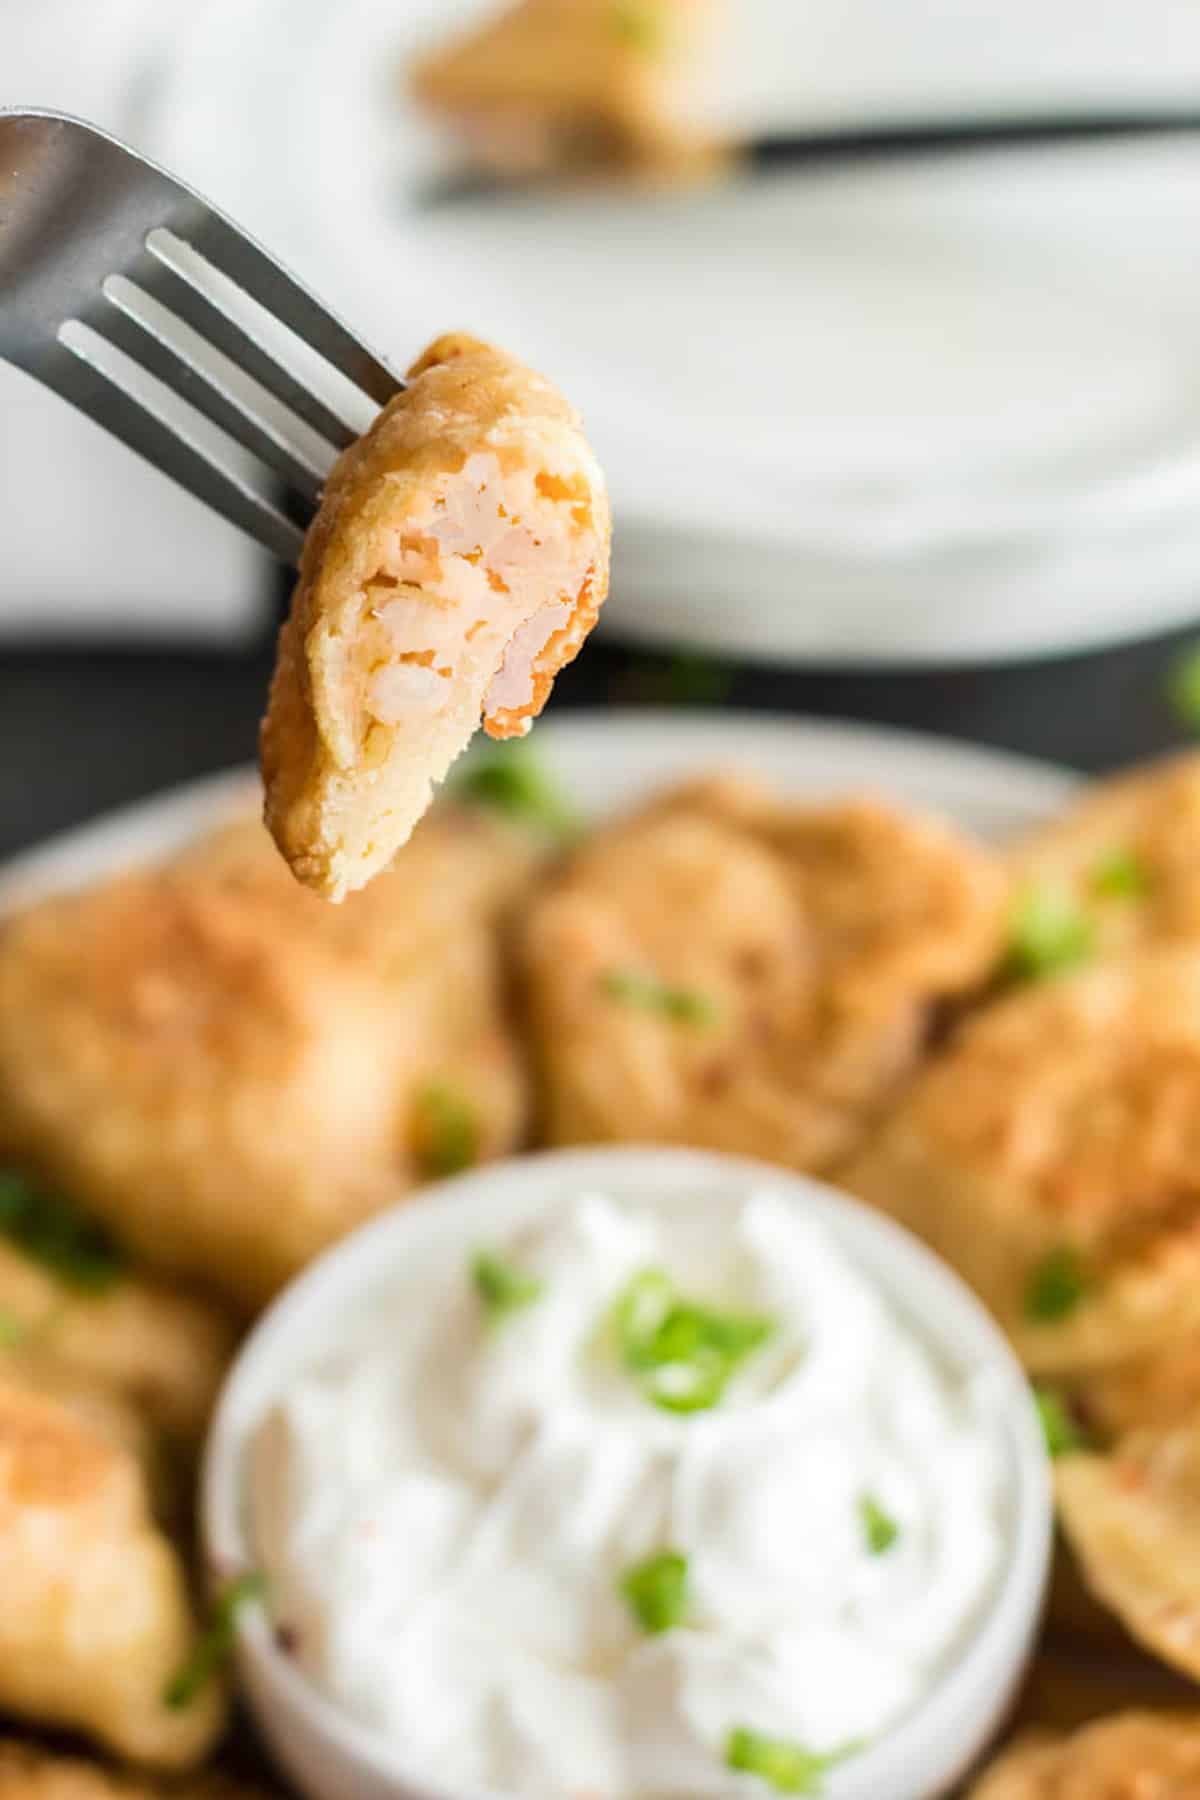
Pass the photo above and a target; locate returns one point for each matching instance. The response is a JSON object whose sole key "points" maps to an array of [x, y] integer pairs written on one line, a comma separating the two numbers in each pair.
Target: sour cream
{"points": [[459, 1511]]}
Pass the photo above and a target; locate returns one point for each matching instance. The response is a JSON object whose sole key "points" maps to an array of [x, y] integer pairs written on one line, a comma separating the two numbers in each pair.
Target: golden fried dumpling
{"points": [[1126, 857], [729, 970], [94, 1611], [1130, 1517], [230, 1075], [101, 1411], [548, 85], [1074, 1617], [1131, 1756], [1153, 1391], [459, 559], [1052, 1154], [29, 1772], [164, 1350]]}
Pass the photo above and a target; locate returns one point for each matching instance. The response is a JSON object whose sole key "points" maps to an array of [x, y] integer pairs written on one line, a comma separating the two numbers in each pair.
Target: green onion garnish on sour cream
{"points": [[656, 1591], [682, 1353], [879, 1528], [667, 1548], [788, 1767], [502, 1287]]}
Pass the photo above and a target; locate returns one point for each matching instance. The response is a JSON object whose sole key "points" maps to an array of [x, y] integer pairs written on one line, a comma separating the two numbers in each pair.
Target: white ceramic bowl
{"points": [[327, 1754]]}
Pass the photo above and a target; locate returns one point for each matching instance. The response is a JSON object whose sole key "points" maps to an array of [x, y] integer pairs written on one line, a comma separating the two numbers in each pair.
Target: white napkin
{"points": [[92, 540]]}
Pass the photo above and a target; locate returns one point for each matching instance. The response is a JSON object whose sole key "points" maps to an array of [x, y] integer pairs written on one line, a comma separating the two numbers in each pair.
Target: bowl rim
{"points": [[946, 1309]]}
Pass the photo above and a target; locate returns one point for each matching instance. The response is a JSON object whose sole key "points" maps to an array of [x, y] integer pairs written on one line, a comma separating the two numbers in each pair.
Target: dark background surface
{"points": [[83, 731]]}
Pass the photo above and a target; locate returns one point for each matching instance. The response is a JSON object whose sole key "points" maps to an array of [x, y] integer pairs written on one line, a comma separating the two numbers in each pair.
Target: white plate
{"points": [[610, 761], [925, 412], [140, 558]]}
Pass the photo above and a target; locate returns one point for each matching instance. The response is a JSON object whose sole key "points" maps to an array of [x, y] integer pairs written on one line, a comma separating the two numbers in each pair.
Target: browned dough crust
{"points": [[459, 559]]}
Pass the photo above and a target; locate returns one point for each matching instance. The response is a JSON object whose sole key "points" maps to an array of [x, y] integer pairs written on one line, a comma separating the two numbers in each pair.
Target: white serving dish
{"points": [[614, 759]]}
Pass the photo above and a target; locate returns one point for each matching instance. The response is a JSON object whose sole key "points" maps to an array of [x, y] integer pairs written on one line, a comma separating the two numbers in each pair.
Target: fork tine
{"points": [[143, 306], [177, 294], [70, 372], [202, 388], [269, 283]]}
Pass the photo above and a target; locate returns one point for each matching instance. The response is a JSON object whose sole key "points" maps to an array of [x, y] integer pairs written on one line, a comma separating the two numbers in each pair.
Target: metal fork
{"points": [[151, 311]]}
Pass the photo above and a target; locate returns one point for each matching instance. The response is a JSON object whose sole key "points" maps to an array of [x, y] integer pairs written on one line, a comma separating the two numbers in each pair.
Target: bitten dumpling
{"points": [[459, 559]]}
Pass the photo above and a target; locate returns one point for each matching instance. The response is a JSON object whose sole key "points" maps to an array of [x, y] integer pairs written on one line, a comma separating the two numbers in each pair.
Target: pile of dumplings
{"points": [[208, 1075]]}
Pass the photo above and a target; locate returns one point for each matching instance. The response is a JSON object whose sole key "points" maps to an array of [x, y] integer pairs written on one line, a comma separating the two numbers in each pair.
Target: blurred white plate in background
{"points": [[915, 413], [610, 762], [93, 542]]}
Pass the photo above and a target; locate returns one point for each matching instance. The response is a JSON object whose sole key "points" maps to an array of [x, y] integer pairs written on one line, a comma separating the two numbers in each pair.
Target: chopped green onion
{"points": [[682, 1353], [696, 1385], [1183, 688], [679, 681], [1061, 1430], [447, 1131], [512, 781], [682, 1005], [697, 681], [879, 1528], [215, 1645], [641, 1309], [50, 1230], [657, 1591], [502, 1287], [639, 23], [788, 1767], [1056, 1287], [13, 1331], [1048, 932], [1119, 876]]}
